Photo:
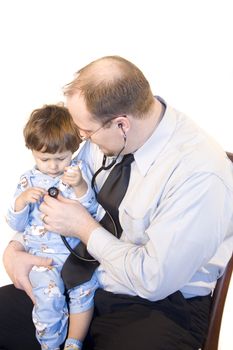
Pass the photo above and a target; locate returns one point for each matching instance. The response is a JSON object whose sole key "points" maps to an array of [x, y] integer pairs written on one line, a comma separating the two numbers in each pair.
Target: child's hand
{"points": [[31, 195], [73, 177]]}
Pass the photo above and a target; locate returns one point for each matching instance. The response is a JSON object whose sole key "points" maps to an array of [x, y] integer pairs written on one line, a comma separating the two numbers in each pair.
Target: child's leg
{"points": [[50, 314], [81, 311], [79, 324], [78, 328]]}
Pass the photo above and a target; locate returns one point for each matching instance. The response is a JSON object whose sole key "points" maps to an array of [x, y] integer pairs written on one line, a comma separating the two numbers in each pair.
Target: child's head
{"points": [[53, 137]]}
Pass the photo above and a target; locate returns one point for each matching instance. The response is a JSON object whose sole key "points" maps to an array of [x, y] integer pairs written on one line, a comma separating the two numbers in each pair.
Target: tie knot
{"points": [[127, 159]]}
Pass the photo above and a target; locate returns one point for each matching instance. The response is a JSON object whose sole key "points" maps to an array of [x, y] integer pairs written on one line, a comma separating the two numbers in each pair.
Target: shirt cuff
{"points": [[98, 241]]}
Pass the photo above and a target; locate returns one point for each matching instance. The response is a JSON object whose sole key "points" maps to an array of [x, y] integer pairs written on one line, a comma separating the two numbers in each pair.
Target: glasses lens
{"points": [[88, 135]]}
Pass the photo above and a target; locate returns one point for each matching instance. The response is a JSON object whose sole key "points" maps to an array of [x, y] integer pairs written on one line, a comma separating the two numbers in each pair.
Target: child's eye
{"points": [[61, 159]]}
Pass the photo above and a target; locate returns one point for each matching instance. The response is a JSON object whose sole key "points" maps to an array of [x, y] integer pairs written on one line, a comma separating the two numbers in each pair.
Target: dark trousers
{"points": [[120, 322]]}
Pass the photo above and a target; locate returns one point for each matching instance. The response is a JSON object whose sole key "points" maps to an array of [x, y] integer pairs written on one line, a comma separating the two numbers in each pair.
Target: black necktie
{"points": [[76, 271]]}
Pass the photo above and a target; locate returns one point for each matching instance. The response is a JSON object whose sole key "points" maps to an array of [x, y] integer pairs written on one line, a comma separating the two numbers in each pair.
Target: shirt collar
{"points": [[146, 155]]}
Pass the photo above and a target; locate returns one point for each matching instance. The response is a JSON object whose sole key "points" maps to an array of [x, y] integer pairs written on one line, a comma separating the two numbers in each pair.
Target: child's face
{"points": [[52, 164]]}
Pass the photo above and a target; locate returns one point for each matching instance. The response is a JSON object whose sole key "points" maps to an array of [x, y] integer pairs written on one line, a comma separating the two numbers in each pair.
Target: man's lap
{"points": [[16, 328], [126, 323], [121, 322]]}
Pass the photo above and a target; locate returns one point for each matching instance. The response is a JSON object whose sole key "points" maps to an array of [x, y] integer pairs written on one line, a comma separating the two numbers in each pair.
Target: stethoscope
{"points": [[53, 192]]}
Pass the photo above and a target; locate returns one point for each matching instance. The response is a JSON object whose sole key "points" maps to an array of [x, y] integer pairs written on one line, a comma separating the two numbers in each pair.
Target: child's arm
{"points": [[30, 195], [79, 177], [18, 214]]}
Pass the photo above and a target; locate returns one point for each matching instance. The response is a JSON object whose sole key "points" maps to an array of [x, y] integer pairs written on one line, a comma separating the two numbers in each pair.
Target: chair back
{"points": [[218, 301]]}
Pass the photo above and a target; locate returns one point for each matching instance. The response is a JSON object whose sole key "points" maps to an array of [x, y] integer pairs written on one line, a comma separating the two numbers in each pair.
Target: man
{"points": [[175, 218]]}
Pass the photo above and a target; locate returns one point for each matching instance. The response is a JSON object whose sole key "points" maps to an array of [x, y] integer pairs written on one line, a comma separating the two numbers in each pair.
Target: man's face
{"points": [[107, 137]]}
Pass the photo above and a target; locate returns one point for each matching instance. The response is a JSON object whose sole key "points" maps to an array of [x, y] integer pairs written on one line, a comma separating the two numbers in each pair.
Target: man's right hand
{"points": [[18, 264]]}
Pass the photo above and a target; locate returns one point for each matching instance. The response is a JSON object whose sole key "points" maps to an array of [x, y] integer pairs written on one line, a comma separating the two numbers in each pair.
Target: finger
{"points": [[43, 216], [26, 286], [36, 196], [51, 202], [47, 203], [40, 261], [48, 200], [71, 169], [39, 191], [63, 199]]}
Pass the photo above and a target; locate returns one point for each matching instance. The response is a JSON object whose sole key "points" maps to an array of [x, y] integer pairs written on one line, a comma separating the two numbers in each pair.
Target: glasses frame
{"points": [[90, 134]]}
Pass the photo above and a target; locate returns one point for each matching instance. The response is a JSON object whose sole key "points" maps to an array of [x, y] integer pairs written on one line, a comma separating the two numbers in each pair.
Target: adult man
{"points": [[176, 216]]}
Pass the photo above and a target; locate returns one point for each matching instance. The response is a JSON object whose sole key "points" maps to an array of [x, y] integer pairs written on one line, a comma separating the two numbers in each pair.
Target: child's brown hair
{"points": [[51, 129]]}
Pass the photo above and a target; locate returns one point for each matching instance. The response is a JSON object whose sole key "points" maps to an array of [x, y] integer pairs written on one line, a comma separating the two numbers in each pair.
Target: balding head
{"points": [[112, 86], [105, 69]]}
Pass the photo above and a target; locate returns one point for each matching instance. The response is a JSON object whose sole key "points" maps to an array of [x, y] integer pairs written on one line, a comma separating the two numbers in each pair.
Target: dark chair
{"points": [[230, 156], [219, 298], [217, 308]]}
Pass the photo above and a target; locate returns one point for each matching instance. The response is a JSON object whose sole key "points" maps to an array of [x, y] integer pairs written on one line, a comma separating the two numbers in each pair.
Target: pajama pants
{"points": [[50, 312]]}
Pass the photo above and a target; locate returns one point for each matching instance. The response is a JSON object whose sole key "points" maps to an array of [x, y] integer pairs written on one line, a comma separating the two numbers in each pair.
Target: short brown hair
{"points": [[112, 86], [51, 129]]}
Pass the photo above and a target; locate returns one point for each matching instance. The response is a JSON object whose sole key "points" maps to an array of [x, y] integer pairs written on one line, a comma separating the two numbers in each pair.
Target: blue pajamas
{"points": [[50, 313]]}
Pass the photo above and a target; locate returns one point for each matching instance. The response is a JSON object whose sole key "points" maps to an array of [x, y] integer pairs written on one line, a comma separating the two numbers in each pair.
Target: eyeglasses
{"points": [[89, 134]]}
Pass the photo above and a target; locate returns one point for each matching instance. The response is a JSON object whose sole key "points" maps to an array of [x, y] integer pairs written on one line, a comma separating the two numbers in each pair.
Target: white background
{"points": [[184, 48]]}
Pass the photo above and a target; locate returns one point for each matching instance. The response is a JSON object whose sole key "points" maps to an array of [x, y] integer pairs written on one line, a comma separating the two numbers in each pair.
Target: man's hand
{"points": [[67, 217], [18, 264]]}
